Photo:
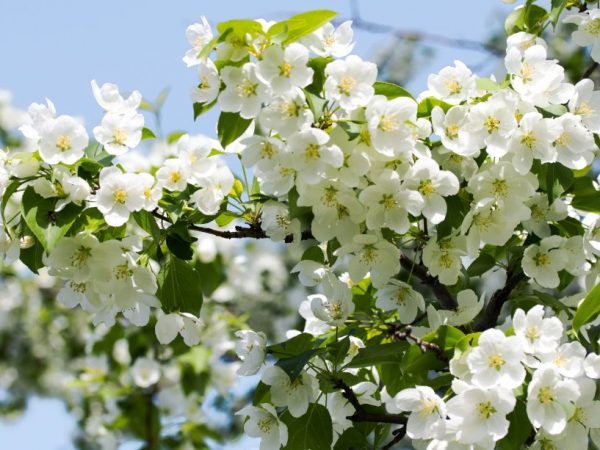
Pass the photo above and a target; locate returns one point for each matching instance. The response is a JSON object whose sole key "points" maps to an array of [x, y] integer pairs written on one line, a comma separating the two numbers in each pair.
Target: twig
{"points": [[378, 28], [494, 306], [151, 434], [361, 414], [398, 436], [439, 290], [400, 332], [589, 70]]}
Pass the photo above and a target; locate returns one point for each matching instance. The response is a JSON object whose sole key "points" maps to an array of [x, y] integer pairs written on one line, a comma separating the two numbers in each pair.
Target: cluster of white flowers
{"points": [[446, 185], [490, 378]]}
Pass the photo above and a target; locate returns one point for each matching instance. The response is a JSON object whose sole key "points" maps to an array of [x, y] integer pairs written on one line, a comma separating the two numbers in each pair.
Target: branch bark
{"points": [[361, 414], [494, 306], [439, 290], [400, 332]]}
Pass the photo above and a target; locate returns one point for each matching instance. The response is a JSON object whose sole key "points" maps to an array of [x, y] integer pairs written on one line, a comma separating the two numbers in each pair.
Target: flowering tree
{"points": [[445, 245]]}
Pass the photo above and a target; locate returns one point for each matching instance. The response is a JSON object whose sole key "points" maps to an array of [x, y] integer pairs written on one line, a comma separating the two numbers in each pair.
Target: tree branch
{"points": [[439, 290], [361, 414], [494, 306], [377, 28], [256, 232], [398, 436], [589, 70], [401, 332]]}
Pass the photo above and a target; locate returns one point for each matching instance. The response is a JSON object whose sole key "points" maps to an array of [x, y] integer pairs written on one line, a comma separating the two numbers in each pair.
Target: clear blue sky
{"points": [[55, 48]]}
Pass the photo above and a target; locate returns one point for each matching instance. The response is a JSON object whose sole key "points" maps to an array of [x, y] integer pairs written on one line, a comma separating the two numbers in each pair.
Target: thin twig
{"points": [[439, 290], [404, 332], [494, 306], [361, 414], [378, 28], [398, 436], [589, 70]]}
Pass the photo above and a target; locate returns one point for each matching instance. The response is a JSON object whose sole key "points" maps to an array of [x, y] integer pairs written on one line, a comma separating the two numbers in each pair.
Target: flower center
{"points": [[267, 150], [584, 110], [388, 201], [174, 176], [593, 27], [491, 124], [347, 83], [545, 395], [81, 256], [452, 131], [428, 407], [388, 123], [427, 188], [119, 136], [486, 409], [120, 196], [453, 87], [63, 143], [247, 89], [312, 152], [285, 69], [542, 260], [496, 361], [265, 424], [499, 187], [528, 140], [564, 139]]}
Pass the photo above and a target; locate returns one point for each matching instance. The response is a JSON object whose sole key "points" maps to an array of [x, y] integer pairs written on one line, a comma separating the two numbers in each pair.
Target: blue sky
{"points": [[55, 48]]}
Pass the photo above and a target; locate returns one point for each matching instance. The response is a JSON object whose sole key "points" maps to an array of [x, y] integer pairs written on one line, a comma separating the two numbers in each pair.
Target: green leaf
{"points": [[390, 90], [47, 225], [487, 84], [262, 390], [201, 108], [481, 265], [318, 65], [557, 7], [8, 192], [314, 253], [312, 431], [519, 429], [445, 337], [208, 48], [371, 355], [293, 347], [585, 195], [225, 218], [293, 366], [588, 310], [213, 274], [179, 246], [179, 287], [32, 256], [175, 135], [240, 26], [230, 127], [300, 25], [147, 133], [426, 106], [147, 222]]}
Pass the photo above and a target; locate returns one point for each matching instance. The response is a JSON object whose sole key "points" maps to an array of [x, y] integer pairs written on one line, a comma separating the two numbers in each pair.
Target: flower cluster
{"points": [[406, 203]]}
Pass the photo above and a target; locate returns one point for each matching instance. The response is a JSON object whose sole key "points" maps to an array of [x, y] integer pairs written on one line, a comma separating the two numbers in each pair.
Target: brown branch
{"points": [[497, 300], [404, 332], [378, 28], [151, 433], [439, 290], [398, 436], [256, 232], [251, 231], [589, 70], [361, 414]]}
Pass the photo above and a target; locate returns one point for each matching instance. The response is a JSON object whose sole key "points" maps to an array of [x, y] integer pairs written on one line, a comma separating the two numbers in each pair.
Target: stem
{"points": [[589, 70], [361, 414], [494, 306], [439, 290]]}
